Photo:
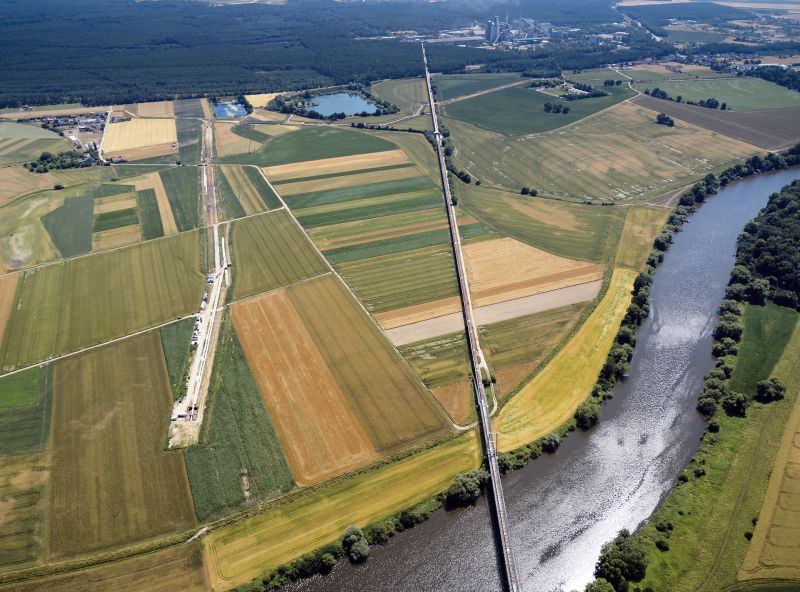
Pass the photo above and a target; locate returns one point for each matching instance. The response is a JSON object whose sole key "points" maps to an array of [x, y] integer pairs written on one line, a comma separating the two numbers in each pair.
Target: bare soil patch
{"points": [[505, 269], [318, 430], [771, 129]]}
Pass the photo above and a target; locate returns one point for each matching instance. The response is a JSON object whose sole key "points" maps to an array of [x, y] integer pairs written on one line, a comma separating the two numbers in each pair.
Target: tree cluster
{"points": [[784, 77], [447, 147], [711, 103], [664, 119], [71, 159], [612, 82], [622, 560], [466, 488], [529, 191], [589, 92], [768, 252], [555, 108], [355, 544]]}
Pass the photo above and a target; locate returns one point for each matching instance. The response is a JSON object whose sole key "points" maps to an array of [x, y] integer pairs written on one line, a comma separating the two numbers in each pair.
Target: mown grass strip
{"points": [[150, 217], [116, 219], [396, 187]]}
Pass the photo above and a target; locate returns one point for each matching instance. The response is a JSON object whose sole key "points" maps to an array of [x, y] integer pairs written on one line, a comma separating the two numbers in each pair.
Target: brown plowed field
{"points": [[340, 164], [772, 129], [504, 269], [318, 430]]}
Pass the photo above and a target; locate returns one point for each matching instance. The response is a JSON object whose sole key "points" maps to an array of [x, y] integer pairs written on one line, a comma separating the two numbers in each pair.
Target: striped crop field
{"points": [[110, 413], [250, 189], [237, 554], [67, 306], [270, 251], [331, 380]]}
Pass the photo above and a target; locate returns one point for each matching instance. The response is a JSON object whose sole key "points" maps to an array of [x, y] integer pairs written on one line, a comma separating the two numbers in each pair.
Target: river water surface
{"points": [[563, 507]]}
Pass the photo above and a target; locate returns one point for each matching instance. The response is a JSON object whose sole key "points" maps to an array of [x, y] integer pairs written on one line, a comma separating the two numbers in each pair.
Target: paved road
{"points": [[476, 359]]}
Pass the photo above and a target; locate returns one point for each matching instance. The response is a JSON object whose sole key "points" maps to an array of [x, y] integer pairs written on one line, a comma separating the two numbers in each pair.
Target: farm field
{"points": [[305, 523], [552, 396], [517, 346], [250, 189], [518, 111], [594, 76], [620, 154], [190, 108], [67, 306], [139, 139], [182, 186], [317, 325], [270, 251], [175, 339], [239, 459], [153, 182], [450, 86], [176, 568], [404, 93], [110, 413], [740, 94], [311, 143], [8, 287], [707, 545], [71, 224], [656, 72], [401, 280], [503, 269], [642, 225], [156, 109], [21, 143], [17, 181], [341, 165], [575, 231], [772, 129], [188, 132], [24, 240]]}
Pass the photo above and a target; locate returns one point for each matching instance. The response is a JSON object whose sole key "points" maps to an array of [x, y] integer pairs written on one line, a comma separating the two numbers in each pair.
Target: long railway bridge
{"points": [[476, 360]]}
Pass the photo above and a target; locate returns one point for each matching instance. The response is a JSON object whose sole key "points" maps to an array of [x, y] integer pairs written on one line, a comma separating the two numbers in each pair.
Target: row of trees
{"points": [[71, 159], [556, 108], [711, 103]]}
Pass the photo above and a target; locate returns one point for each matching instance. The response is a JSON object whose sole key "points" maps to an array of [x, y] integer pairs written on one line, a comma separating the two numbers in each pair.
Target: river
{"points": [[563, 507]]}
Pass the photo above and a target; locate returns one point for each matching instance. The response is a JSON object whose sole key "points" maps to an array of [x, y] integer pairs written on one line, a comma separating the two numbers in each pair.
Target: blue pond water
{"points": [[341, 103], [229, 110]]}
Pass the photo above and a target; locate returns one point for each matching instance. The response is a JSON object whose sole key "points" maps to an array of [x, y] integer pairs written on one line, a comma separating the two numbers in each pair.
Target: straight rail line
{"points": [[476, 359]]}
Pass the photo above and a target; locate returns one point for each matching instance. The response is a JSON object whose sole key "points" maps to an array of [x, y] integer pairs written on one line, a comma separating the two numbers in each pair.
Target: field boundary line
{"points": [[361, 305]]}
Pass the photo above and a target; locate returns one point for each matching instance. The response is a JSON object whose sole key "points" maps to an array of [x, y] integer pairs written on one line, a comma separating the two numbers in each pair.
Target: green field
{"points": [[594, 76], [70, 225], [189, 144], [518, 111], [175, 340], [68, 306], [182, 185], [25, 411], [740, 94], [439, 361], [271, 200], [402, 279], [404, 93], [228, 202], [575, 231], [116, 219], [369, 208], [111, 408], [710, 514], [457, 85], [331, 196], [270, 251], [21, 143], [619, 154], [238, 440], [149, 214], [109, 189], [311, 143]]}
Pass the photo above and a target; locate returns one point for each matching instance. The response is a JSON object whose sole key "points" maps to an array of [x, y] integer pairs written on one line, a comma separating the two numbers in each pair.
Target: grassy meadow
{"points": [[712, 513], [642, 225], [451, 86], [404, 93], [110, 413], [270, 251], [740, 94], [67, 306]]}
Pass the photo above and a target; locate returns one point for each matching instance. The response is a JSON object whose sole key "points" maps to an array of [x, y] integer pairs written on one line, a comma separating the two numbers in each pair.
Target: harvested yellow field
{"points": [[340, 164], [263, 115], [318, 430], [156, 109], [153, 181], [114, 203], [504, 268], [457, 399], [551, 398], [116, 237], [774, 551], [354, 180], [139, 134], [237, 554], [246, 192], [418, 312], [54, 112], [642, 225], [16, 181], [8, 288], [228, 143], [261, 100]]}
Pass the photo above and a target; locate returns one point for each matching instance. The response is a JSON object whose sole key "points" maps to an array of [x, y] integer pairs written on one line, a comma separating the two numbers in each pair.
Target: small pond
{"points": [[229, 110], [341, 102]]}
